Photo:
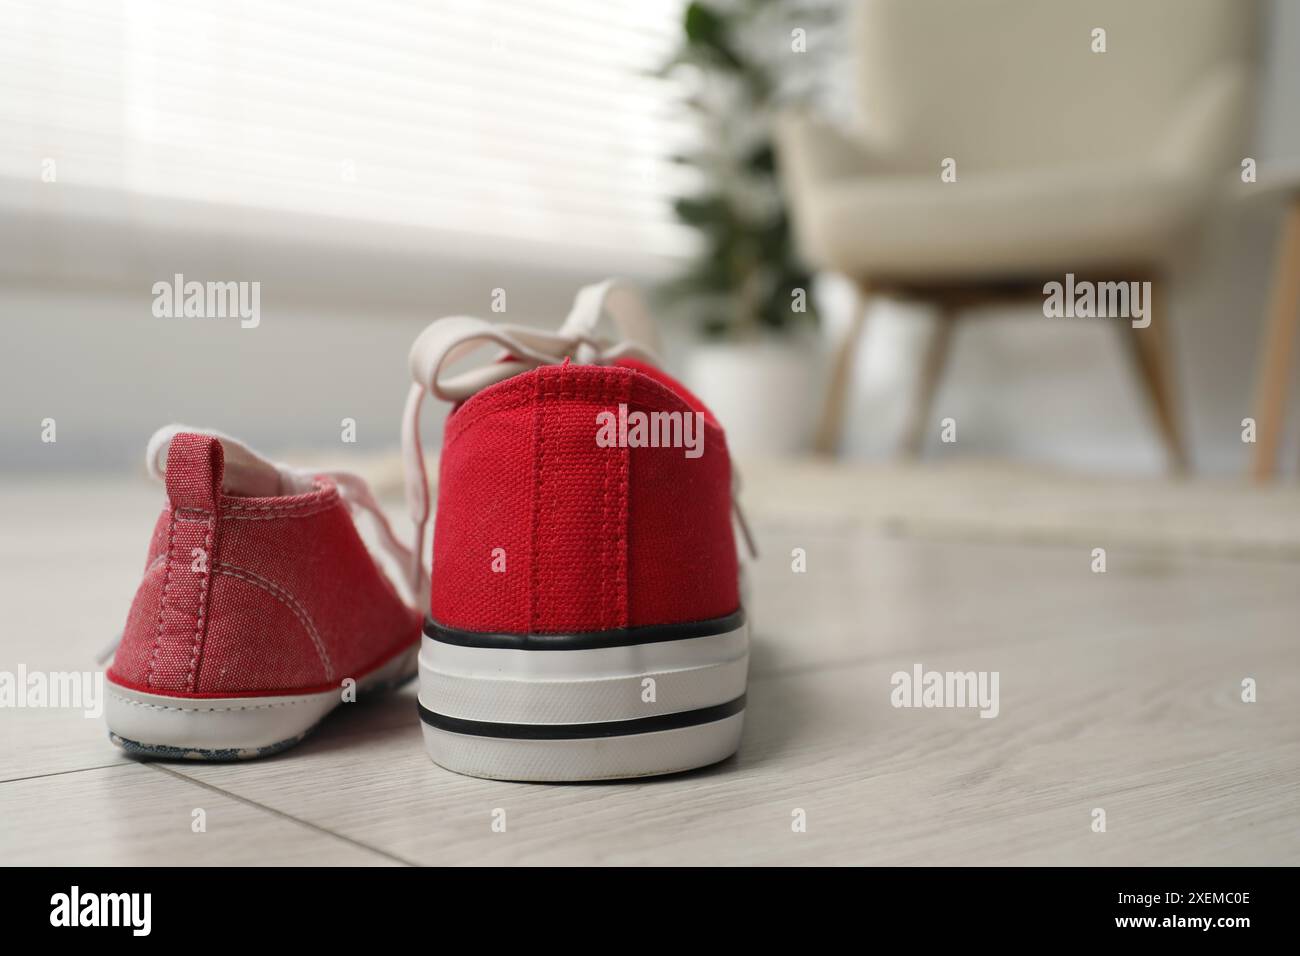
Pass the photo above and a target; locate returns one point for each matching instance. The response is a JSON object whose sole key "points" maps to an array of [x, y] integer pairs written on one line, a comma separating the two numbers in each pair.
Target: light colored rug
{"points": [[990, 501]]}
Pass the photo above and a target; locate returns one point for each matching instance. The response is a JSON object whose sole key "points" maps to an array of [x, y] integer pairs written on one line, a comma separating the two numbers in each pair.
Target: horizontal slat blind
{"points": [[513, 119]]}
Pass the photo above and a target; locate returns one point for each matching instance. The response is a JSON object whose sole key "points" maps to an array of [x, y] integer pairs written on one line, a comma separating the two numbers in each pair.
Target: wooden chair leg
{"points": [[1277, 351], [1152, 353], [933, 362], [830, 427]]}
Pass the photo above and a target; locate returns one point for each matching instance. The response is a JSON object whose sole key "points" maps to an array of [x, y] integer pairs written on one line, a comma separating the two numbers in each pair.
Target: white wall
{"points": [[341, 304]]}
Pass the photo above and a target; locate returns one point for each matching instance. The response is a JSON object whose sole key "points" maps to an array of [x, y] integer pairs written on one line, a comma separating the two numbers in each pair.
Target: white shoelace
{"points": [[251, 474], [522, 349]]}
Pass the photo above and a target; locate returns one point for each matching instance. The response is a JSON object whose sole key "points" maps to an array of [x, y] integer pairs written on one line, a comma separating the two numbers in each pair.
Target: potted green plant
{"points": [[744, 286]]}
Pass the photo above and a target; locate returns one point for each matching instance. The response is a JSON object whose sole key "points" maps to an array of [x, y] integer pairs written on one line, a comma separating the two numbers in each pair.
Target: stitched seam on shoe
{"points": [[539, 464], [295, 507], [323, 496], [203, 604], [641, 395], [287, 515], [605, 542], [283, 516], [263, 513], [289, 601], [622, 517], [162, 603]]}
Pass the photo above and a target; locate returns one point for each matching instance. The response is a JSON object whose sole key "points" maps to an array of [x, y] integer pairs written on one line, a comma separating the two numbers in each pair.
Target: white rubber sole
{"points": [[555, 708], [230, 728]]}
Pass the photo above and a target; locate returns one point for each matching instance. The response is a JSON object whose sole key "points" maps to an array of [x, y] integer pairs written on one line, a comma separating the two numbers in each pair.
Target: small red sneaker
{"points": [[260, 611], [585, 620]]}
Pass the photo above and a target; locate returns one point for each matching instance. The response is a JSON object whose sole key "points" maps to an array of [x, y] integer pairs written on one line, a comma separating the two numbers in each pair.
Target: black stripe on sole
{"points": [[609, 728], [619, 637]]}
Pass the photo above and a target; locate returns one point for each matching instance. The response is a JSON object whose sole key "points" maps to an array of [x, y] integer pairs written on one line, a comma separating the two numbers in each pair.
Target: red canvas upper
{"points": [[269, 595], [592, 538]]}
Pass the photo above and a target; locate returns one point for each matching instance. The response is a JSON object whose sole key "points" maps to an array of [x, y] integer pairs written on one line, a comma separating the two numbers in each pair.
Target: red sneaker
{"points": [[585, 620], [260, 611]]}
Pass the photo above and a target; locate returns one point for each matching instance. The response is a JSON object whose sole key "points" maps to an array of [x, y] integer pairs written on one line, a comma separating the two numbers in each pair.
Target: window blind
{"points": [[534, 120]]}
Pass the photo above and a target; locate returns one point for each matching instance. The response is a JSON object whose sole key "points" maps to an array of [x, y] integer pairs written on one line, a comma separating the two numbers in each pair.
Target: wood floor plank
{"points": [[138, 815], [39, 742]]}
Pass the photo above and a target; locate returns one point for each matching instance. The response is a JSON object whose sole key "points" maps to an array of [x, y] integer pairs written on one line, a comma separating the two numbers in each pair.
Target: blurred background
{"points": [[774, 173]]}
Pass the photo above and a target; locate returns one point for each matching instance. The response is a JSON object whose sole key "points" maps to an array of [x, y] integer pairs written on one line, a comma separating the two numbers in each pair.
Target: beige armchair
{"points": [[1066, 160]]}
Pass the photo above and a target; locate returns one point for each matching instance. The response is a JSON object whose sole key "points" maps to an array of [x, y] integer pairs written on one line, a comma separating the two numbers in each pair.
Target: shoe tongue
{"points": [[247, 474]]}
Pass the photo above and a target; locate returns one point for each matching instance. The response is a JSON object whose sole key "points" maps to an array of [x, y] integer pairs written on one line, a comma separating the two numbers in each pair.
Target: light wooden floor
{"points": [[1119, 691]]}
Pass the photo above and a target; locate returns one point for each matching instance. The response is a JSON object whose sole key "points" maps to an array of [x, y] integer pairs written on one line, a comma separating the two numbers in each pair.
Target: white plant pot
{"points": [[764, 393]]}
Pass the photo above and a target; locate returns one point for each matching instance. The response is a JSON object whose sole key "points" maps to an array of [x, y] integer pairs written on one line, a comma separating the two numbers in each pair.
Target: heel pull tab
{"points": [[196, 466], [194, 470]]}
